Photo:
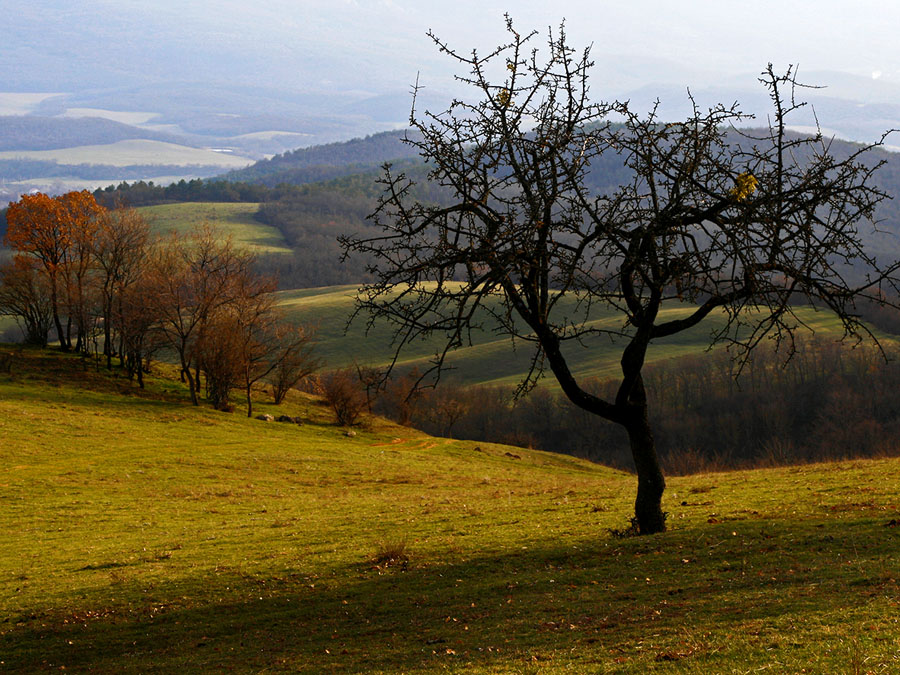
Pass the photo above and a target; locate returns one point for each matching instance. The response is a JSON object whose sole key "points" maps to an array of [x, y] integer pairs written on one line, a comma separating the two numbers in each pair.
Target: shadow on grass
{"points": [[689, 595]]}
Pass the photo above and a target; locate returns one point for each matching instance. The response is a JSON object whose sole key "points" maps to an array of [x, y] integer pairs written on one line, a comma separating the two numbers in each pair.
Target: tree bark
{"points": [[192, 384], [651, 483], [63, 343], [107, 331]]}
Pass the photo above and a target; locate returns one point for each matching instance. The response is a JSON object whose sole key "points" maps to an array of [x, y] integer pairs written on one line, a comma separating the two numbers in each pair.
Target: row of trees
{"points": [[97, 280], [141, 193], [828, 402]]}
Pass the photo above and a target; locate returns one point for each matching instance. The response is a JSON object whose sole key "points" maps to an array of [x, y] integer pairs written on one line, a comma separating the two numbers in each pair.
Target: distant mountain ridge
{"points": [[33, 132], [338, 189], [325, 162]]}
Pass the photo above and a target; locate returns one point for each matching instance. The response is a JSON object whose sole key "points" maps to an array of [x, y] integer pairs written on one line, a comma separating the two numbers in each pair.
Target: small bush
{"points": [[345, 396], [391, 553]]}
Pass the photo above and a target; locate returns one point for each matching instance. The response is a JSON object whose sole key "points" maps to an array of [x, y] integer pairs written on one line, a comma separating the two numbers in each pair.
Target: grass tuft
{"points": [[391, 553]]}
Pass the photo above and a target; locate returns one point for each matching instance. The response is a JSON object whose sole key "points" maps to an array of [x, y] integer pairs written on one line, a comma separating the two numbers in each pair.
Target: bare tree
{"points": [[25, 295], [137, 326], [344, 394], [219, 356], [293, 361], [188, 282], [707, 222], [119, 247]]}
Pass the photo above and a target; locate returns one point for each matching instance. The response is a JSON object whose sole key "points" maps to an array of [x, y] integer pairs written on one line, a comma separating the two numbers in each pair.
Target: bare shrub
{"points": [[344, 394], [391, 553], [401, 397], [294, 361]]}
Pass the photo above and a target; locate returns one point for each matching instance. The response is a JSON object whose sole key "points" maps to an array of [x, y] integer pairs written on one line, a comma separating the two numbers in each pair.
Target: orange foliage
{"points": [[48, 227], [58, 232]]}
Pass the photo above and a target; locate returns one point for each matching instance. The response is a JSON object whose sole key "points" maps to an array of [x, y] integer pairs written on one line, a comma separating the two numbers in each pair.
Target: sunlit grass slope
{"points": [[235, 220], [133, 151], [491, 359], [139, 534]]}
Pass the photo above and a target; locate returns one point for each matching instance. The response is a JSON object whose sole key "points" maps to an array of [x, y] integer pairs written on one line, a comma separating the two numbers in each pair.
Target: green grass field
{"points": [[131, 152], [231, 219], [491, 359], [139, 534]]}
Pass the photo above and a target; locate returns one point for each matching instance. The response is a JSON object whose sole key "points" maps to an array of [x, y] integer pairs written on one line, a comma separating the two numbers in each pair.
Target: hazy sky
{"points": [[375, 45], [721, 36], [724, 35]]}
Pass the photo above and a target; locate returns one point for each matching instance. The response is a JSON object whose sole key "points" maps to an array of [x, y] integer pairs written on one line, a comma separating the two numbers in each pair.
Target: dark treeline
{"points": [[828, 402], [313, 174], [312, 217], [300, 196], [358, 154], [883, 317], [148, 193]]}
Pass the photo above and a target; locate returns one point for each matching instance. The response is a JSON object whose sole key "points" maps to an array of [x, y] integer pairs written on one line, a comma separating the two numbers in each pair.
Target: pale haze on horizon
{"points": [[382, 43], [336, 69]]}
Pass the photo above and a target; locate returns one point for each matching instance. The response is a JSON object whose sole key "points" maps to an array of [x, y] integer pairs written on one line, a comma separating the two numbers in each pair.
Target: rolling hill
{"points": [[130, 153], [231, 219], [491, 358], [355, 156], [158, 537]]}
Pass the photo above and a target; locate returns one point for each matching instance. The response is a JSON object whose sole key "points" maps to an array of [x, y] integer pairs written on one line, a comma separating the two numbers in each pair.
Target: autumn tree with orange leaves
{"points": [[96, 274], [56, 231]]}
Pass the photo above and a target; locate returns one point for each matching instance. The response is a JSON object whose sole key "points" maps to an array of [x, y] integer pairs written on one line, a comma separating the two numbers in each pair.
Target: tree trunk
{"points": [[63, 343], [651, 483], [192, 385], [107, 331], [249, 403], [68, 333]]}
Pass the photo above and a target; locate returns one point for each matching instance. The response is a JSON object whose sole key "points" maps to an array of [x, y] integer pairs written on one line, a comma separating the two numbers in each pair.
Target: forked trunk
{"points": [[192, 384], [651, 483]]}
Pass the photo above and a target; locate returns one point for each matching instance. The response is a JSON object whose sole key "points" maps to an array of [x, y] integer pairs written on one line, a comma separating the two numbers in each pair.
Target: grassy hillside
{"points": [[491, 359], [131, 152], [139, 534], [235, 219]]}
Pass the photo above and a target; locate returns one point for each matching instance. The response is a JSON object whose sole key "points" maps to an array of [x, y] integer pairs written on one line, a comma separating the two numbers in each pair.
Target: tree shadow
{"points": [[511, 609]]}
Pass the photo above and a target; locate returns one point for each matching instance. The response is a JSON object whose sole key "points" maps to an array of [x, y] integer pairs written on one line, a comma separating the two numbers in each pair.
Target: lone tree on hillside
{"points": [[707, 221]]}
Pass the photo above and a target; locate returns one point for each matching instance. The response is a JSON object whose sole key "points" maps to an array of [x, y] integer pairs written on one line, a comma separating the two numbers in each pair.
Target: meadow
{"points": [[131, 152], [491, 359], [230, 219], [139, 534]]}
